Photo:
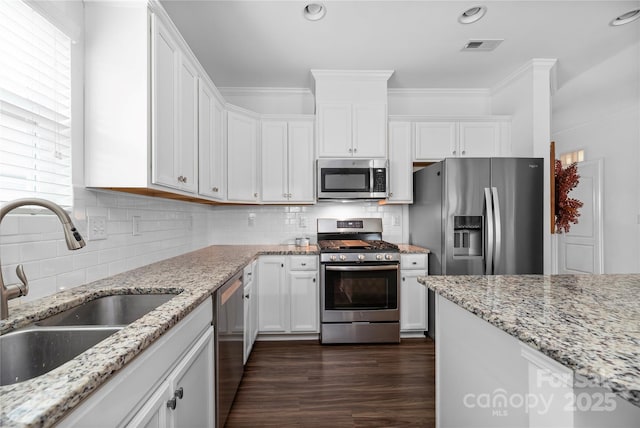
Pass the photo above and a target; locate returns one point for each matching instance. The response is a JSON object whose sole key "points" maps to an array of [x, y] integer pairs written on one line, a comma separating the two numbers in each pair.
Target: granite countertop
{"points": [[588, 323], [43, 401], [412, 249]]}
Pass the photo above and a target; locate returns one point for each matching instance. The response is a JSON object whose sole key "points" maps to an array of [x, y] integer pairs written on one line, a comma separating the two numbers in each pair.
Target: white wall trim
{"points": [[448, 118], [410, 92], [233, 90], [524, 68], [359, 75]]}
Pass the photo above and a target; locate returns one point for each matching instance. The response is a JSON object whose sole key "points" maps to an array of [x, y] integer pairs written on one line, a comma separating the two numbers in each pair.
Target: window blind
{"points": [[35, 107]]}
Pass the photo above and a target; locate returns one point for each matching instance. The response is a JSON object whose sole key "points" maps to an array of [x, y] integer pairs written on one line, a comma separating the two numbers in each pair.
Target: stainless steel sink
{"points": [[33, 351], [109, 310]]}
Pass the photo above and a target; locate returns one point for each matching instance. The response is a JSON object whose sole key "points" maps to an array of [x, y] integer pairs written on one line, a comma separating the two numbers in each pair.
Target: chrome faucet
{"points": [[71, 235]]}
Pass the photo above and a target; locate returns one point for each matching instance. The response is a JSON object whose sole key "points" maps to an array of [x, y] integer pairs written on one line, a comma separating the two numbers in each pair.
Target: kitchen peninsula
{"points": [[537, 350]]}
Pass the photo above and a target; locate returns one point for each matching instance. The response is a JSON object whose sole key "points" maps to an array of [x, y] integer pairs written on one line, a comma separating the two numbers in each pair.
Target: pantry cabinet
{"points": [[141, 103], [212, 165], [400, 163], [288, 294], [287, 161], [242, 156], [413, 295], [436, 140]]}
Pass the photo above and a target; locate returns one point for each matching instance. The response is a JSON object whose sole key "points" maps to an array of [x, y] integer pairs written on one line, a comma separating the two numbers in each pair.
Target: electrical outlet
{"points": [[97, 228], [252, 219], [395, 220], [135, 228], [302, 221]]}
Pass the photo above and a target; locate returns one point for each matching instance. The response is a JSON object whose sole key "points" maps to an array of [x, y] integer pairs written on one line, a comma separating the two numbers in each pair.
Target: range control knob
{"points": [[343, 257], [360, 256], [333, 258], [388, 256], [379, 257]]}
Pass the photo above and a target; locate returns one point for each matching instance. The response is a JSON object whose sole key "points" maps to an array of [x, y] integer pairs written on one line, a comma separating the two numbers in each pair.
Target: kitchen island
{"points": [[193, 277], [537, 350]]}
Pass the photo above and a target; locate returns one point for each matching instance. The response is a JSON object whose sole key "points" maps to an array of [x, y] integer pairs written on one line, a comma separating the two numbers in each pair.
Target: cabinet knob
{"points": [[255, 195], [404, 279], [454, 152], [215, 189], [180, 178], [247, 296], [184, 179], [314, 280], [281, 265], [172, 403], [390, 194], [179, 393], [414, 263], [355, 150], [464, 152], [350, 150]]}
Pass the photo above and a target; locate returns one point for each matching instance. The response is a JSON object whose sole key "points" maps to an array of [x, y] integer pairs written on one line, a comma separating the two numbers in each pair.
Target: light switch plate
{"points": [[135, 229], [97, 228]]}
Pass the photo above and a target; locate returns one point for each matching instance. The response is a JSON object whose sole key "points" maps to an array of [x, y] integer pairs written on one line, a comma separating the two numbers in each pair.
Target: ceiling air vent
{"points": [[482, 45]]}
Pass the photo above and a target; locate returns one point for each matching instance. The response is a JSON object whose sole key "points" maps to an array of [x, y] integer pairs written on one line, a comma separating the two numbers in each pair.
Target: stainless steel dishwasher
{"points": [[229, 338]]}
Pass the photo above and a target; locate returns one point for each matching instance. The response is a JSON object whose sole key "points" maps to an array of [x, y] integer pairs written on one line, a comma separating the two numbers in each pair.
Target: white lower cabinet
{"points": [[250, 308], [184, 399], [413, 295], [179, 365], [288, 294]]}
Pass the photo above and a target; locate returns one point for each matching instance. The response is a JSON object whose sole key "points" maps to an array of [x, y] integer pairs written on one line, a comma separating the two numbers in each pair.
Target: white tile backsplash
{"points": [[167, 228]]}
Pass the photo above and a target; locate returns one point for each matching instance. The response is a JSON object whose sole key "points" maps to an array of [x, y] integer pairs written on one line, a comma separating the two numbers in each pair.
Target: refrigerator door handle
{"points": [[488, 257], [498, 226]]}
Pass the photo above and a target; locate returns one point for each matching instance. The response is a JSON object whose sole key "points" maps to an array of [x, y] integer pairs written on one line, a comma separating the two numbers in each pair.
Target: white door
{"points": [[334, 130], [187, 161], [303, 289], [370, 130], [242, 162], [413, 301], [580, 250], [273, 297], [301, 161], [400, 164], [479, 139], [274, 161], [211, 146], [435, 140]]}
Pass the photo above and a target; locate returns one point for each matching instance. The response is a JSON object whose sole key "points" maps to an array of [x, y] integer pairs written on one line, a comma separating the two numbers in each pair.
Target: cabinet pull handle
{"points": [[172, 403], [179, 393], [414, 263]]}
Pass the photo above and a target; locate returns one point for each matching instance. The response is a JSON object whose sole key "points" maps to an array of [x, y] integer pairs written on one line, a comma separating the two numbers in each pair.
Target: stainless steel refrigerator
{"points": [[479, 216]]}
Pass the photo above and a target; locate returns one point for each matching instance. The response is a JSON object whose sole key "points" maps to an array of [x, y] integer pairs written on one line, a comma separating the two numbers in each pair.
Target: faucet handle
{"points": [[24, 288]]}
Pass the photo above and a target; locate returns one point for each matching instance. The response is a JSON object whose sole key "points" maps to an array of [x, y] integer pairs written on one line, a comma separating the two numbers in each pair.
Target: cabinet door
{"points": [[413, 301], [248, 322], [254, 302], [479, 139], [242, 150], [400, 163], [188, 127], [370, 130], [435, 140], [211, 144], [274, 161], [334, 130], [154, 414], [301, 162], [273, 299], [193, 386], [165, 60], [303, 289]]}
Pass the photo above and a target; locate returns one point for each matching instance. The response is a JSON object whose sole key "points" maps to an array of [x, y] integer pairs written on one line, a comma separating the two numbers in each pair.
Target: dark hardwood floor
{"points": [[305, 384]]}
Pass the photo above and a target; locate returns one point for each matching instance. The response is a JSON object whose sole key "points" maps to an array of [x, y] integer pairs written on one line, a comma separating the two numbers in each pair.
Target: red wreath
{"points": [[566, 179]]}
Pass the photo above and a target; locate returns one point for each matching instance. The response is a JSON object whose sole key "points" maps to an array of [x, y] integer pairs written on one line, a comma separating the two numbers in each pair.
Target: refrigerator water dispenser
{"points": [[467, 236]]}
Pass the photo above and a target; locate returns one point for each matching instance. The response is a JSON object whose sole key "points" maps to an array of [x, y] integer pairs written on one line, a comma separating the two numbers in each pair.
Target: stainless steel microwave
{"points": [[352, 178]]}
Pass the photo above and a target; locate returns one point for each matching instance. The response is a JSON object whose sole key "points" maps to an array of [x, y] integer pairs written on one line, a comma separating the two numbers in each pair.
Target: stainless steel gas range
{"points": [[359, 280]]}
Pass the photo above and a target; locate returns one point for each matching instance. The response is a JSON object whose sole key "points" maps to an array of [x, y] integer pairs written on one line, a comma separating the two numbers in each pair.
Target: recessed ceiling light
{"points": [[314, 11], [472, 15], [626, 18]]}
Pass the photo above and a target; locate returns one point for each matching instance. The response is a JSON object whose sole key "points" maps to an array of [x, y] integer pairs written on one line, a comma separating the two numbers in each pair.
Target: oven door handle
{"points": [[362, 268]]}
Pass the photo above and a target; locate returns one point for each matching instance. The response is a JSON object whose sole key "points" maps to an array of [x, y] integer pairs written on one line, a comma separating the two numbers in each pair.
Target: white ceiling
{"points": [[270, 44]]}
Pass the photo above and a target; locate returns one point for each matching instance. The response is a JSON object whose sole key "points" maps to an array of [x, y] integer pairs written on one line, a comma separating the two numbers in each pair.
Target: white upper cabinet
{"points": [[141, 100], [242, 157], [287, 161], [212, 144], [400, 163], [175, 112], [351, 108], [436, 140]]}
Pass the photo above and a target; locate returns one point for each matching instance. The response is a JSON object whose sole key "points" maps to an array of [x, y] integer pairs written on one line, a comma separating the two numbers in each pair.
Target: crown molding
{"points": [[231, 90], [535, 64], [360, 75], [437, 91]]}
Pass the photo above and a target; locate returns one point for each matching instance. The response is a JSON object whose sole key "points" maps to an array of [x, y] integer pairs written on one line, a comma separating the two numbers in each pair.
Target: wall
{"points": [[599, 111], [271, 100], [282, 224], [167, 228]]}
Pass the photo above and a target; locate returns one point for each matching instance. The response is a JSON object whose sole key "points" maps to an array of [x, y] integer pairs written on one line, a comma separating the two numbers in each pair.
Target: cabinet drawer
{"points": [[413, 261], [303, 262]]}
